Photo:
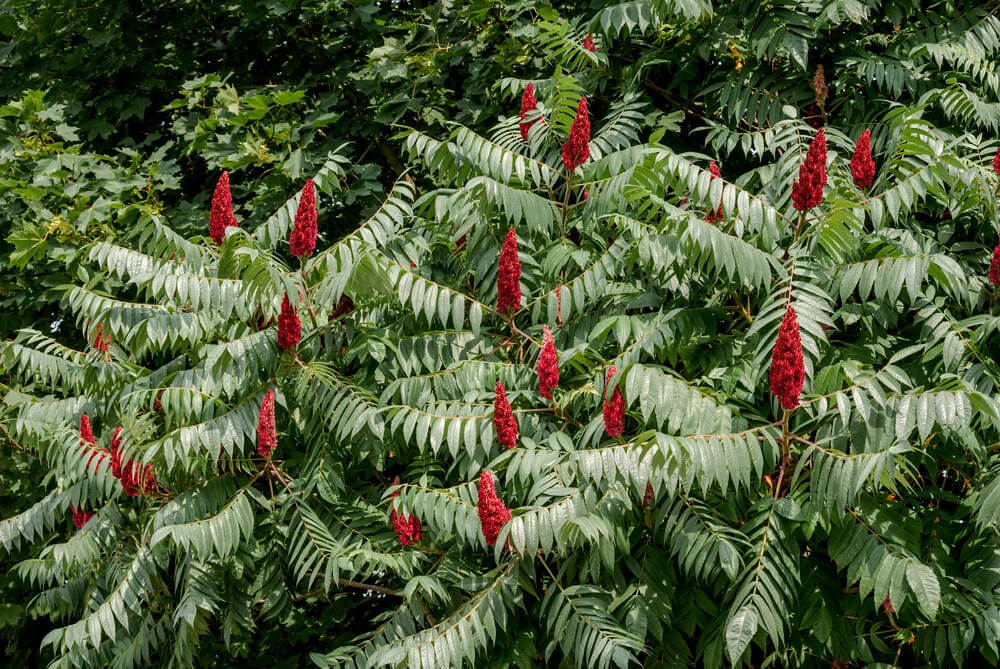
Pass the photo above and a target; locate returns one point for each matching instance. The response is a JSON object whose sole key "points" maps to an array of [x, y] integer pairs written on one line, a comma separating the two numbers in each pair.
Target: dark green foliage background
{"points": [[117, 119]]}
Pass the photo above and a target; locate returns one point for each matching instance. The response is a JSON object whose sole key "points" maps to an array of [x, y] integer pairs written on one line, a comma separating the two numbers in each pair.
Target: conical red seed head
{"points": [[818, 149], [787, 365], [148, 480], [289, 326], [820, 87], [713, 216], [994, 273], [612, 370], [503, 418], [548, 365], [528, 105], [807, 192], [492, 512], [137, 479], [528, 101], [996, 161], [80, 517], [862, 165], [509, 275], [92, 453], [101, 341], [221, 216], [614, 414], [588, 43], [303, 236], [614, 409], [576, 149], [408, 528], [267, 432], [116, 453], [86, 433]]}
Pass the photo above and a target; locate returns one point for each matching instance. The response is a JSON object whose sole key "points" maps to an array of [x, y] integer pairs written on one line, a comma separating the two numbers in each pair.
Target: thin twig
{"points": [[743, 310], [431, 620], [565, 205], [366, 586], [309, 306]]}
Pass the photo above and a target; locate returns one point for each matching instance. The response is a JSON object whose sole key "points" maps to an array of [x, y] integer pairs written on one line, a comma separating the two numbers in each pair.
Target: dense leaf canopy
{"points": [[793, 463]]}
